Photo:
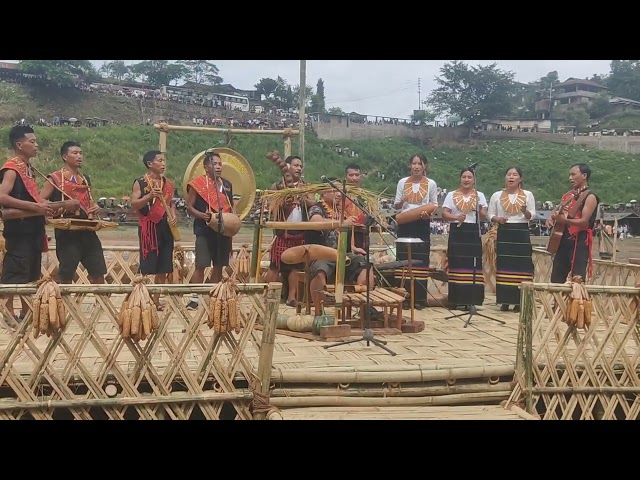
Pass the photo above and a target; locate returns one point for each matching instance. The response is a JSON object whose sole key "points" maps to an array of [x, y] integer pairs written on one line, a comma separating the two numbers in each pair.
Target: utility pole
{"points": [[302, 101], [419, 102]]}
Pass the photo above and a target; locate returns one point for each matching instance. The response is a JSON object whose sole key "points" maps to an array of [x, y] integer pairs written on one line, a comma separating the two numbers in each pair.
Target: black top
{"points": [[201, 205], [22, 226], [144, 189]]}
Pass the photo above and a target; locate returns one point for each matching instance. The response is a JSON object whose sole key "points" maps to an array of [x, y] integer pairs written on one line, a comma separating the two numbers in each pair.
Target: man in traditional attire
{"points": [[25, 238], [75, 246], [207, 195], [154, 233], [578, 207], [294, 211]]}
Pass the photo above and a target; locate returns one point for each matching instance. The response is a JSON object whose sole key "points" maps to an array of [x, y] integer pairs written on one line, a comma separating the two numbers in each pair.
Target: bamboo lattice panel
{"points": [[182, 371], [606, 273], [568, 373]]}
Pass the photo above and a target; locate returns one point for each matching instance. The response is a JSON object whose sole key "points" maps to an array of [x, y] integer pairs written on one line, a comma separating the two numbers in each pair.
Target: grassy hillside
{"points": [[18, 101], [113, 159]]}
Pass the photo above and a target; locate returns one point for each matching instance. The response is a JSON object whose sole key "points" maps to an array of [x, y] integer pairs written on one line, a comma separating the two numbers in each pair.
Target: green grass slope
{"points": [[113, 159]]}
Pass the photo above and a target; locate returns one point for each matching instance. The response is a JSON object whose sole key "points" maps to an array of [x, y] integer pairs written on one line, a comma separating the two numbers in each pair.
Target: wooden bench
{"points": [[390, 303]]}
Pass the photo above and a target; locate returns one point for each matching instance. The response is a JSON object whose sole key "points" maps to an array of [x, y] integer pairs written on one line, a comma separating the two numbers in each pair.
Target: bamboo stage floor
{"points": [[444, 343], [463, 412]]}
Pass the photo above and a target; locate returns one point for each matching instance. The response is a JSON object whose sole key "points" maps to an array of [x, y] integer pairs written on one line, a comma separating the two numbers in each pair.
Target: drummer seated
{"points": [[323, 271]]}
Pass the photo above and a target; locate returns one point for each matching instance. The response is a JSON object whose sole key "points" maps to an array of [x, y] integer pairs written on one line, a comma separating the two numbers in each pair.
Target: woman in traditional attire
{"points": [[413, 192], [461, 208], [511, 209]]}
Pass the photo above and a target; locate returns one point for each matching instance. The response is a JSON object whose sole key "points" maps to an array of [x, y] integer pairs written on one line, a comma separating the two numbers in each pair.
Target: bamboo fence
{"points": [[563, 372], [605, 272], [182, 371]]}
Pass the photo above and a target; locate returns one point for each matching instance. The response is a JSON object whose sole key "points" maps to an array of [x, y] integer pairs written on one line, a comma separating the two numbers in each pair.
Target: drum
{"points": [[231, 224], [415, 214], [80, 224]]}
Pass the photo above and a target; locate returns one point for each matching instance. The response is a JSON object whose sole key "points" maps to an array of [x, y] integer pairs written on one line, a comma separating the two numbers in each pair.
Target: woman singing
{"points": [[460, 208], [511, 209], [414, 192]]}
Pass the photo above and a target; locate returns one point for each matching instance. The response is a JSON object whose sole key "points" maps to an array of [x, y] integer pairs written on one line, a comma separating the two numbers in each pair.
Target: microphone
{"points": [[323, 178], [473, 165]]}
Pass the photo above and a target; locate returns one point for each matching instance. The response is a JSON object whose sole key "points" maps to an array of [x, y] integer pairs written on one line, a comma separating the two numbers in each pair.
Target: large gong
{"points": [[236, 170]]}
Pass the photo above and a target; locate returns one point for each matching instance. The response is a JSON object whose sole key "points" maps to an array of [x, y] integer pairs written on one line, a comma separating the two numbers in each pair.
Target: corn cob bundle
{"points": [[224, 309], [138, 316], [489, 247], [179, 263], [49, 315], [243, 261], [579, 308]]}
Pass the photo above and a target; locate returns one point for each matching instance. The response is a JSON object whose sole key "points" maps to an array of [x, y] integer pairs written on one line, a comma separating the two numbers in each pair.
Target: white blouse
{"points": [[496, 210], [431, 197], [471, 216]]}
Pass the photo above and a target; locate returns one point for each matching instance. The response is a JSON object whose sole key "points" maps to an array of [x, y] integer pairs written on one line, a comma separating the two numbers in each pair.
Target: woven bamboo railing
{"points": [[122, 265], [182, 371], [567, 373], [605, 272]]}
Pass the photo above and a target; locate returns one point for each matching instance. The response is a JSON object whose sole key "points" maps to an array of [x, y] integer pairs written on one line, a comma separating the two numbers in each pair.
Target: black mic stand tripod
{"points": [[472, 309], [368, 332]]}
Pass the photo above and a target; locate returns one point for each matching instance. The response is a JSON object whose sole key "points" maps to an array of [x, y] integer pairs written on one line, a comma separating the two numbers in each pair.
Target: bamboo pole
{"points": [[586, 390], [522, 414], [313, 226], [526, 318], [456, 399], [233, 131], [302, 100], [267, 343], [10, 404], [105, 289], [287, 145], [400, 376], [561, 287], [163, 144], [400, 391], [340, 272], [255, 253]]}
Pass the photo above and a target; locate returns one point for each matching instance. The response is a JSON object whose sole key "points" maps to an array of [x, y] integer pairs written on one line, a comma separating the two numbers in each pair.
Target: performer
{"points": [[294, 211], [353, 176], [460, 208], [25, 238], [511, 209], [574, 254], [75, 246], [413, 192], [156, 240], [208, 194], [323, 271]]}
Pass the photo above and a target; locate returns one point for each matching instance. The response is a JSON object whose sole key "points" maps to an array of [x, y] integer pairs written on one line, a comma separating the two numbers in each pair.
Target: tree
{"points": [[600, 106], [624, 79], [578, 118], [158, 72], [201, 72], [423, 117], [64, 72], [318, 100], [115, 69], [296, 96], [335, 111], [266, 87], [473, 93]]}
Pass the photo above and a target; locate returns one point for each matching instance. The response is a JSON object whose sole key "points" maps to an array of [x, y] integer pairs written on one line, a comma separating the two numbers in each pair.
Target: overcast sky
{"points": [[385, 87]]}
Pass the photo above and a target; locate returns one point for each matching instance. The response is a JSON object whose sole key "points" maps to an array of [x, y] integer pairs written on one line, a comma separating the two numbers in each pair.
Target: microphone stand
{"points": [[368, 332], [472, 308]]}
